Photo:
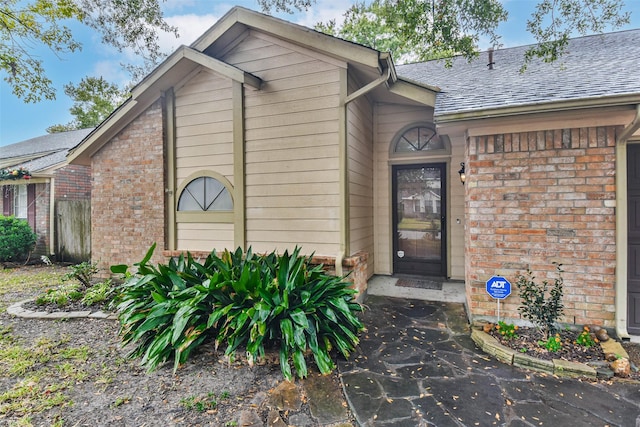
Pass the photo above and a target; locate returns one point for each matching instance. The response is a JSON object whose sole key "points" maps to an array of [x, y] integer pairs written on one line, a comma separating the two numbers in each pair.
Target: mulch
{"points": [[527, 342]]}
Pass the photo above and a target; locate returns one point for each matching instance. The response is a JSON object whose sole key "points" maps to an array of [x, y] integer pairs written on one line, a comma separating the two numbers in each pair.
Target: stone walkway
{"points": [[417, 366]]}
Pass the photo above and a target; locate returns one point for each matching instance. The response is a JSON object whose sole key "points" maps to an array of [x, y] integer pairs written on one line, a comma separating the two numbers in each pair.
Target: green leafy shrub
{"points": [[17, 239], [541, 304], [239, 300]]}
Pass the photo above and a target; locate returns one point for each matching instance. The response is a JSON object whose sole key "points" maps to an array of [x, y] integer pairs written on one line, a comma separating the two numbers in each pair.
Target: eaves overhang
{"points": [[181, 63], [536, 108], [239, 19]]}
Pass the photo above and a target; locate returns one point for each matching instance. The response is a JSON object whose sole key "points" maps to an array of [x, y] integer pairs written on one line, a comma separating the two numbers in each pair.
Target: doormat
{"points": [[419, 283]]}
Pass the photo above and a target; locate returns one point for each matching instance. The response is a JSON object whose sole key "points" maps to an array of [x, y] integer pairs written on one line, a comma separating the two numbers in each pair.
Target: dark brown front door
{"points": [[633, 233], [419, 244]]}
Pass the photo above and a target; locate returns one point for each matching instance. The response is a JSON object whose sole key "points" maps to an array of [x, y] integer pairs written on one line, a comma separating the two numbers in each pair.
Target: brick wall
{"points": [[73, 182], [127, 193], [42, 229], [538, 197]]}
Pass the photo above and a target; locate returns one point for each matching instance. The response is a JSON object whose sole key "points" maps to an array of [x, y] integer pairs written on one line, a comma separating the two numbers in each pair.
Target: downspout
{"points": [[621, 301], [384, 57], [52, 215]]}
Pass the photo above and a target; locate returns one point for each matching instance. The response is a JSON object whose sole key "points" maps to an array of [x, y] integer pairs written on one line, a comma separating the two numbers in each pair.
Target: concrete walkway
{"points": [[417, 366]]}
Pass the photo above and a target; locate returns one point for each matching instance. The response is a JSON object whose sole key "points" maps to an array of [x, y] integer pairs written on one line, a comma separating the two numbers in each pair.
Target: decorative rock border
{"points": [[559, 367], [16, 309]]}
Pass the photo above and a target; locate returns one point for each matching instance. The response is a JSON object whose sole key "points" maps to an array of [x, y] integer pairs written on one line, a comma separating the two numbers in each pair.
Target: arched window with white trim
{"points": [[419, 139]]}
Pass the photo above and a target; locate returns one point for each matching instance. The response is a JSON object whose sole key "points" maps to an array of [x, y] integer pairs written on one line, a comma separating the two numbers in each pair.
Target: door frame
{"points": [[443, 166]]}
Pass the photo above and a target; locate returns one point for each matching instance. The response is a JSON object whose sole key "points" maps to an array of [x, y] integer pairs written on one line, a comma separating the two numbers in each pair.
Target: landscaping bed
{"points": [[76, 372]]}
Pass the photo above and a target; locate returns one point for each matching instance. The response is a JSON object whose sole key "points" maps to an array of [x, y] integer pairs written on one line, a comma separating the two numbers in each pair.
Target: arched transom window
{"points": [[419, 139], [205, 194]]}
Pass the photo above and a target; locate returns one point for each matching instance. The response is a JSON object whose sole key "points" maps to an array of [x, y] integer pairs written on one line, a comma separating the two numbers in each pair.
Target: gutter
{"points": [[550, 107], [631, 128], [621, 301], [384, 56]]}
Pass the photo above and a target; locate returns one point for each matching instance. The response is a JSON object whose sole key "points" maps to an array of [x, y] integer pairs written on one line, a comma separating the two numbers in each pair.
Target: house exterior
{"points": [[266, 134], [44, 199]]}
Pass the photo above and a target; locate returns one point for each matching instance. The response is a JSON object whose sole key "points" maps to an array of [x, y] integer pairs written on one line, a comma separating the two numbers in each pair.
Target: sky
{"points": [[20, 121]]}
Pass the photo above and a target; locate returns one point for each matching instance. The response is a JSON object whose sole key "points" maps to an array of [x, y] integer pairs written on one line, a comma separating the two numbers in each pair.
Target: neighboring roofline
{"points": [[332, 46], [547, 107], [148, 91]]}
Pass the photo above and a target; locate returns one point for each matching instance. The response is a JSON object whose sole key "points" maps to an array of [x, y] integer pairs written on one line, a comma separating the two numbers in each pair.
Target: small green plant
{"points": [[17, 239], [200, 404], [553, 343], [98, 293], [541, 304], [60, 296], [507, 330], [121, 401], [585, 339], [83, 273]]}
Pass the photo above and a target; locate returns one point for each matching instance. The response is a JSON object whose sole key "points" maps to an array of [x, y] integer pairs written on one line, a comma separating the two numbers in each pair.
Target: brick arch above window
{"points": [[205, 196], [419, 139]]}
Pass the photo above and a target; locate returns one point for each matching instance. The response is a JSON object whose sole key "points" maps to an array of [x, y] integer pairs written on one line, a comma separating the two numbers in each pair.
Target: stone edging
{"points": [[16, 309], [559, 367]]}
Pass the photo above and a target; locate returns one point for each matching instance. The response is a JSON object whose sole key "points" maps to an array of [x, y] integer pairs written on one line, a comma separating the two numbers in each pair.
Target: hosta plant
{"points": [[243, 301]]}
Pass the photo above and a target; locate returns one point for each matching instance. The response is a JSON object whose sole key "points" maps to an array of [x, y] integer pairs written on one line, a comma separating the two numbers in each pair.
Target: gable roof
{"points": [[598, 70], [42, 152], [226, 31]]}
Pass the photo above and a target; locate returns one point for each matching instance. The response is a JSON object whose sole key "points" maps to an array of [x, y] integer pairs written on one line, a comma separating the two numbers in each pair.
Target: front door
{"points": [[419, 243], [633, 233]]}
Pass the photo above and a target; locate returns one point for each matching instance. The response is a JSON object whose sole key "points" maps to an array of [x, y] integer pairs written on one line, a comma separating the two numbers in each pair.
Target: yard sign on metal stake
{"points": [[499, 288]]}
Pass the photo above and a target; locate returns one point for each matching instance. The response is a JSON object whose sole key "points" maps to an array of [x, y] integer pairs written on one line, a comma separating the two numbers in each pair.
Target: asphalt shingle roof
{"points": [[44, 151], [593, 67]]}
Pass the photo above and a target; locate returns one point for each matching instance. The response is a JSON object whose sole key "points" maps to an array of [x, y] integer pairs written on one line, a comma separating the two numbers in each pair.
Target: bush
{"points": [[17, 239], [83, 273], [540, 304], [239, 300]]}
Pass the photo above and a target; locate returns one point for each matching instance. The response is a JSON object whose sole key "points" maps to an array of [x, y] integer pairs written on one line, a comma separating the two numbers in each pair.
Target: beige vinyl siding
{"points": [[360, 175], [389, 119], [291, 143], [204, 142], [204, 126], [456, 209], [205, 236]]}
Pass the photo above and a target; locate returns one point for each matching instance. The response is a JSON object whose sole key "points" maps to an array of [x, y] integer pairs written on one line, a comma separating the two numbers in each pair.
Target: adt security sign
{"points": [[498, 287]]}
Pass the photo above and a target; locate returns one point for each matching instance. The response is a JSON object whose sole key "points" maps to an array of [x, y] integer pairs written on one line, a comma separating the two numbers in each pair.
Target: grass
{"points": [[27, 281], [202, 403], [42, 371]]}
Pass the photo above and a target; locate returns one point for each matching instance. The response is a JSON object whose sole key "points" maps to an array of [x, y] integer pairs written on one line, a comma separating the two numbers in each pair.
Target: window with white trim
{"points": [[20, 201], [419, 138], [205, 194]]}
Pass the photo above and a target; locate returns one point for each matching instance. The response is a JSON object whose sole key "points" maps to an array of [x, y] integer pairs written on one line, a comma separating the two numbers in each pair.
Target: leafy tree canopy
{"points": [[27, 25], [94, 99], [420, 30]]}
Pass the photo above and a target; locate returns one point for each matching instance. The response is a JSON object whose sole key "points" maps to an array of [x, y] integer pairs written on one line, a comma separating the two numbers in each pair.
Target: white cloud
{"points": [[190, 27], [112, 72], [321, 11]]}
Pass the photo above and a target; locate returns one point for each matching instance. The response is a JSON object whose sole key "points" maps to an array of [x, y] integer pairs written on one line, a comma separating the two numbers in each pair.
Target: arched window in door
{"points": [[421, 139]]}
